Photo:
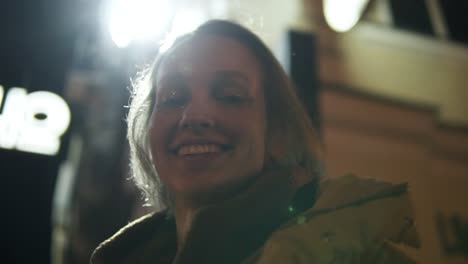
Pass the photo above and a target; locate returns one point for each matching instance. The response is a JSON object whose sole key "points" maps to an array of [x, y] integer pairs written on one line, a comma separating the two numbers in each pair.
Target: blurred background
{"points": [[385, 82]]}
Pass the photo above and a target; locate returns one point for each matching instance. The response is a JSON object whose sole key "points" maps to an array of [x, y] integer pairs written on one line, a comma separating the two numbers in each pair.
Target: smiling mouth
{"points": [[200, 149]]}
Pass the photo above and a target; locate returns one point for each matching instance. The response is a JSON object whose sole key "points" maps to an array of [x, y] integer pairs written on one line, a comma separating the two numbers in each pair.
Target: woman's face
{"points": [[207, 129]]}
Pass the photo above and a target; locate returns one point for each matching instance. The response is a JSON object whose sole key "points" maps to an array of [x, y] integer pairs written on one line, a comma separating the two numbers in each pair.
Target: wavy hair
{"points": [[291, 139]]}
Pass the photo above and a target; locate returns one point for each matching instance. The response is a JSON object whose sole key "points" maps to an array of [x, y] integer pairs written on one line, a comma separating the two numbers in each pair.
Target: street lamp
{"points": [[138, 20], [342, 15]]}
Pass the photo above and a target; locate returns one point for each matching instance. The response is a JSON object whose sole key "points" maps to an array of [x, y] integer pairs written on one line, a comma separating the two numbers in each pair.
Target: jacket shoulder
{"points": [[354, 220], [136, 233], [352, 190]]}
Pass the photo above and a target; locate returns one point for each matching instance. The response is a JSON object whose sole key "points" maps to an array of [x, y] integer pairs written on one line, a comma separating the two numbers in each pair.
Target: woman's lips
{"points": [[200, 156], [198, 149]]}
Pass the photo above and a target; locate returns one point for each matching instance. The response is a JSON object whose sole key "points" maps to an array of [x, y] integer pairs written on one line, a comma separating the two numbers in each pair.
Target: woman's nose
{"points": [[199, 114]]}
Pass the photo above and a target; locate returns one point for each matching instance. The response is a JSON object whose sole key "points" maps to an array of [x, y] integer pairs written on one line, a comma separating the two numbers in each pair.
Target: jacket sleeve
{"points": [[400, 231], [384, 253]]}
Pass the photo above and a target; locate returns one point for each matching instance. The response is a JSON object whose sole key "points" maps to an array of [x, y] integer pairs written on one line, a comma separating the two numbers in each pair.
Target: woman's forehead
{"points": [[208, 54]]}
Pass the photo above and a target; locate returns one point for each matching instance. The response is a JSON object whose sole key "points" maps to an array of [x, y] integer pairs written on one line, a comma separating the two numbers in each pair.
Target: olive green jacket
{"points": [[352, 220]]}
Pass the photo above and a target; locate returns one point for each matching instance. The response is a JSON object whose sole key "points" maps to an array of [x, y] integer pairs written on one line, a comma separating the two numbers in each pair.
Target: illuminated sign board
{"points": [[32, 122]]}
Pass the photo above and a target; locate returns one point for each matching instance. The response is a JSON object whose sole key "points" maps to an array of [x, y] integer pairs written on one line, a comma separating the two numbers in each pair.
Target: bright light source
{"points": [[342, 15], [184, 22], [138, 20]]}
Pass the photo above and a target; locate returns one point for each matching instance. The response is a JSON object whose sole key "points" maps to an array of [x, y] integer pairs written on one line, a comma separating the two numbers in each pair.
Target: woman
{"points": [[220, 140]]}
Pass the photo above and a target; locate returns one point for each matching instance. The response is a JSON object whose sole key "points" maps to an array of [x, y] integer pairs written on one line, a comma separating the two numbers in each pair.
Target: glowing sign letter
{"points": [[33, 122], [11, 120]]}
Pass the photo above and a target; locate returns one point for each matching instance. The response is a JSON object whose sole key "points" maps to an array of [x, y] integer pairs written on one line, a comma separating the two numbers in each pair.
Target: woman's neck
{"points": [[184, 213]]}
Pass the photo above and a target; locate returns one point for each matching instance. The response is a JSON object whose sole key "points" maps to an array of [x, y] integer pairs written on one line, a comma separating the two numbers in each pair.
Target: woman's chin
{"points": [[210, 192]]}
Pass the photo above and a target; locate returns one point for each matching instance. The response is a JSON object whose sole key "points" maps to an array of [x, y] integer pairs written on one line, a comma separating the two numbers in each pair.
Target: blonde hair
{"points": [[291, 139]]}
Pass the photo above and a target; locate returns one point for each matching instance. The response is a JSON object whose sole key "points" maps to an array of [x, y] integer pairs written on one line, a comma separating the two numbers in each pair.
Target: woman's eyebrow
{"points": [[177, 77], [231, 74]]}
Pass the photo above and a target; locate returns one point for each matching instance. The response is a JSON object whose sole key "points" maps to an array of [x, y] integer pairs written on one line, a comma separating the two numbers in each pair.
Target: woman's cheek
{"points": [[156, 131]]}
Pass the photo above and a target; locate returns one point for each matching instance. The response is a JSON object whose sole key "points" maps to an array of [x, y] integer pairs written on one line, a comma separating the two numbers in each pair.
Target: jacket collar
{"points": [[230, 230], [351, 190], [235, 228]]}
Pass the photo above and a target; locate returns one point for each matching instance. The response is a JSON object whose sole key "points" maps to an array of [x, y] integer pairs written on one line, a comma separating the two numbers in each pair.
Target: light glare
{"points": [[342, 15], [138, 20], [185, 21]]}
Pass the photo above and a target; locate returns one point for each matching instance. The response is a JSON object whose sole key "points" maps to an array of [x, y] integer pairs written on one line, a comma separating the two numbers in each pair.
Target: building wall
{"points": [[400, 65], [372, 57], [377, 138]]}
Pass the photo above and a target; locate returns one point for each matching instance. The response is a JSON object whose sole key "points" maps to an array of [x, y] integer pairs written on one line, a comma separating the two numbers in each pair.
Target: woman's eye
{"points": [[171, 100], [232, 98], [231, 92]]}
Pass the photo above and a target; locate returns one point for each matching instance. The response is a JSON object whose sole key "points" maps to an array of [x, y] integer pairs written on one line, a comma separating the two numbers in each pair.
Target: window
{"points": [[456, 19], [411, 15]]}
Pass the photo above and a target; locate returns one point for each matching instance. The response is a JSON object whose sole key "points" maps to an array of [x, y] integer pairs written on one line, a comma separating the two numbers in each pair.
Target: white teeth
{"points": [[199, 149]]}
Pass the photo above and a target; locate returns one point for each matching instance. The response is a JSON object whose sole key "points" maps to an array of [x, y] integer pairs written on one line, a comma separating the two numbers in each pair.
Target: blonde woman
{"points": [[222, 146]]}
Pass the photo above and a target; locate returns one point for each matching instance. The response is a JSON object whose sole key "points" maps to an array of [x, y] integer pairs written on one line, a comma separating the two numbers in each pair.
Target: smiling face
{"points": [[207, 129]]}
